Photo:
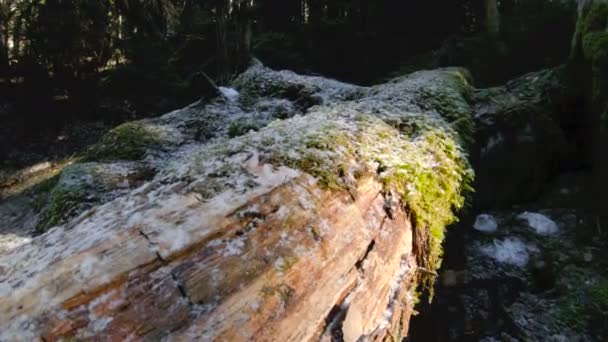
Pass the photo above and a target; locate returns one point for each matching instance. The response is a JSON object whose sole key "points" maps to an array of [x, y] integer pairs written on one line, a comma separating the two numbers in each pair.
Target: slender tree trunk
{"points": [[364, 8], [315, 11], [491, 17], [333, 10], [4, 65], [4, 38]]}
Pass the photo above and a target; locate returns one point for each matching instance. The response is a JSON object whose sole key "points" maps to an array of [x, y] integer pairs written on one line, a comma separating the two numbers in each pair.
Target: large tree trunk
{"points": [[242, 20], [301, 231], [223, 48]]}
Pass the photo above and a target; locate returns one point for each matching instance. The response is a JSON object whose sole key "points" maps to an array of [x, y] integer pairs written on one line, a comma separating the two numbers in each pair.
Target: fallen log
{"points": [[303, 212]]}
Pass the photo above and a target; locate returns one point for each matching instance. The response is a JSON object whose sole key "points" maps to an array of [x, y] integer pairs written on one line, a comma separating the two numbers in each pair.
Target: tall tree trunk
{"points": [[223, 56], [491, 17], [244, 33]]}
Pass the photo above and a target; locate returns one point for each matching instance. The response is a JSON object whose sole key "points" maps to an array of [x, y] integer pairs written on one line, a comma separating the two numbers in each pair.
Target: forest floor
{"points": [[30, 163], [42, 154], [535, 272]]}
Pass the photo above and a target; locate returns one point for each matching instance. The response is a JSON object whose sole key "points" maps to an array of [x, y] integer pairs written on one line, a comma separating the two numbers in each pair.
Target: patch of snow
{"points": [[87, 265], [214, 243], [485, 223], [98, 324], [216, 275], [234, 247], [176, 237], [395, 284], [279, 263], [230, 93], [541, 224], [282, 212], [510, 251], [20, 329], [492, 143], [255, 304]]}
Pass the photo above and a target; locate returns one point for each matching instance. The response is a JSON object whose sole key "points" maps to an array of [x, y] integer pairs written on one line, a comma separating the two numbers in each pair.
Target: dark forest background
{"points": [[80, 61]]}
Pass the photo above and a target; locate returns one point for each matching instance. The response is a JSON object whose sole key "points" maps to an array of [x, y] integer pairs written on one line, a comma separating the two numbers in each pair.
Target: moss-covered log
{"points": [[325, 218]]}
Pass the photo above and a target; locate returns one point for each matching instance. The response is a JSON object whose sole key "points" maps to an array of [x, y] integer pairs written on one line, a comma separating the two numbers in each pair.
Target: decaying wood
{"points": [[248, 238]]}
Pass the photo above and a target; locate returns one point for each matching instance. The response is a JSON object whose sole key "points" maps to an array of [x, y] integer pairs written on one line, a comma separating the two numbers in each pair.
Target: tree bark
{"points": [[491, 17], [244, 32], [223, 56], [242, 242], [4, 38]]}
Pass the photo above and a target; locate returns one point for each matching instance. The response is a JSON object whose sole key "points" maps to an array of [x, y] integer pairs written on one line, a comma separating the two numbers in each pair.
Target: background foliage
{"points": [[79, 60]]}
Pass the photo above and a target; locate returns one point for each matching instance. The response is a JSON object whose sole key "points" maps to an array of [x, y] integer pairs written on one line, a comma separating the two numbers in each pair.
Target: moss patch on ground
{"points": [[586, 307]]}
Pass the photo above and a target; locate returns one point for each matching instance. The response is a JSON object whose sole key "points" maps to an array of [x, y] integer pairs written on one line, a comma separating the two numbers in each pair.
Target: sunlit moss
{"points": [[433, 192]]}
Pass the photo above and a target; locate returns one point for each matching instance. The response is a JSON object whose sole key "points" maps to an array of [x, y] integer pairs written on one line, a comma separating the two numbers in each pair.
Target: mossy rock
{"points": [[519, 138], [129, 141]]}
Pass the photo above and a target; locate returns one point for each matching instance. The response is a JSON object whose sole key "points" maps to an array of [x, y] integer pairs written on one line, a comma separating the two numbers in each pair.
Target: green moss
{"points": [[241, 127], [449, 106], [573, 314], [42, 191], [417, 157], [316, 166], [46, 185], [599, 294], [429, 173], [590, 51], [595, 46], [585, 305], [433, 193], [128, 141], [316, 157], [593, 18], [62, 202]]}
